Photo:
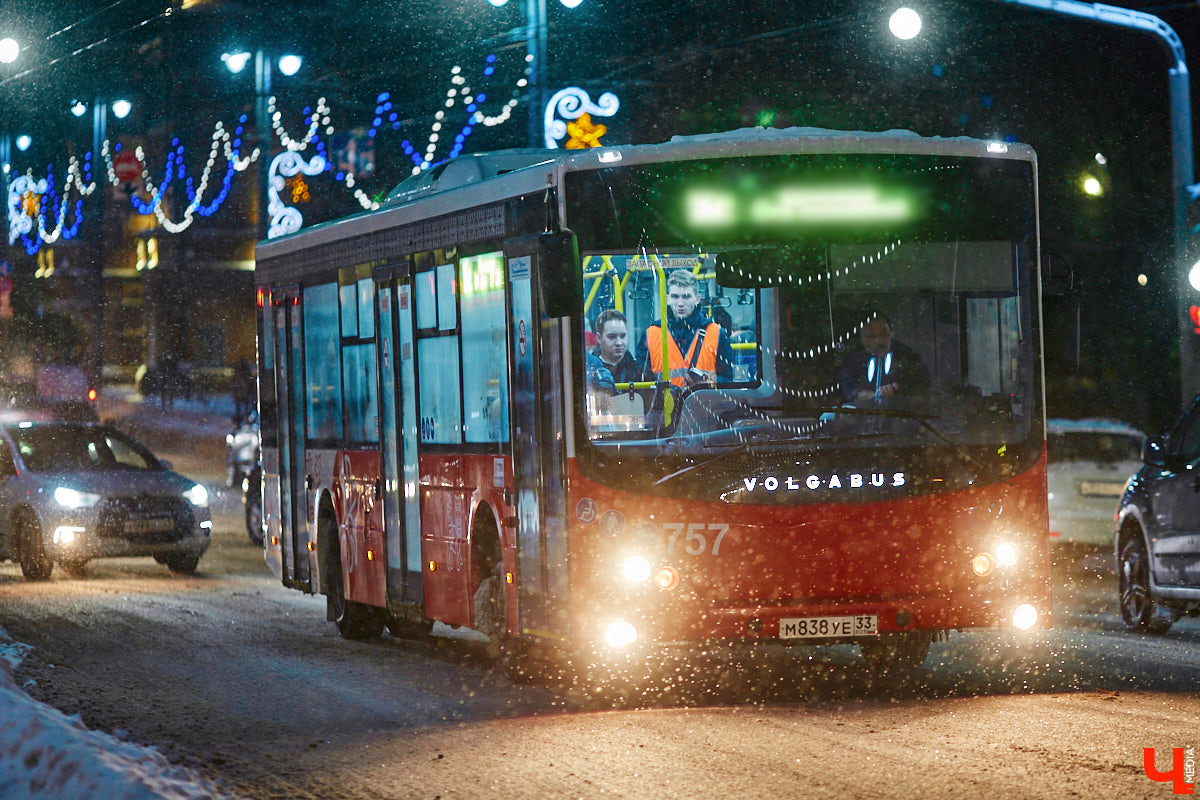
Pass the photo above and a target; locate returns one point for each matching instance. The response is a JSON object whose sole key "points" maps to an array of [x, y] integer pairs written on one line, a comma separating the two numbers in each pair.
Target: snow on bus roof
{"points": [[474, 169]]}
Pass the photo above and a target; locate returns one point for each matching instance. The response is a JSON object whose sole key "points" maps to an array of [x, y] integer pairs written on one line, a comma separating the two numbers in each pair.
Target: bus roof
{"points": [[480, 178]]}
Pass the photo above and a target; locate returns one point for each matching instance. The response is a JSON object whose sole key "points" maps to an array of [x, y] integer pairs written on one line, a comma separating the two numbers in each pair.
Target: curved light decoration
{"points": [[285, 219], [572, 103]]}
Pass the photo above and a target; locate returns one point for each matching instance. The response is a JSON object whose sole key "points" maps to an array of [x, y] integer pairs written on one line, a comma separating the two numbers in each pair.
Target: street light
{"points": [[905, 24], [289, 64], [9, 50], [121, 108]]}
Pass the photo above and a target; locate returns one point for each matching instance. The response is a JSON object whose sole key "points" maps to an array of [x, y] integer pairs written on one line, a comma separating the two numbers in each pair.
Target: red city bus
{"points": [[446, 438]]}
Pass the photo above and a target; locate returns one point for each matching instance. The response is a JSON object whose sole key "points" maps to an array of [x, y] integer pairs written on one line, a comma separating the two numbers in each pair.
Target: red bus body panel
{"points": [[360, 526], [909, 555]]}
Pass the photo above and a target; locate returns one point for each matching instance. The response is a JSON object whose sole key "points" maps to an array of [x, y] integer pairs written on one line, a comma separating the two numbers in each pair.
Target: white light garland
{"points": [[221, 145], [315, 120]]}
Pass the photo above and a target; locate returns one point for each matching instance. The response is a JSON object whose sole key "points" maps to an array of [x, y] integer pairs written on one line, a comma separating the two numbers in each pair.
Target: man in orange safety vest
{"points": [[698, 349]]}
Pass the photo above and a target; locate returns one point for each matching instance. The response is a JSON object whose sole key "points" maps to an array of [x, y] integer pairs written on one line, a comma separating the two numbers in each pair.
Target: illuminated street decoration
{"points": [[152, 196], [584, 133], [285, 219], [32, 201], [222, 143], [571, 104]]}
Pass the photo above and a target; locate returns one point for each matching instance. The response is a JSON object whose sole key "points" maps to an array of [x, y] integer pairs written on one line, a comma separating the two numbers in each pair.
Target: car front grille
{"points": [[145, 519]]}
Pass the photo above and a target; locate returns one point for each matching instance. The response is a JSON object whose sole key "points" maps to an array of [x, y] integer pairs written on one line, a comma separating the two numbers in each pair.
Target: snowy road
{"points": [[230, 673]]}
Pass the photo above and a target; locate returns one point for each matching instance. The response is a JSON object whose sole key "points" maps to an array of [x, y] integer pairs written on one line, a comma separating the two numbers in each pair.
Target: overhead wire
{"points": [[85, 48]]}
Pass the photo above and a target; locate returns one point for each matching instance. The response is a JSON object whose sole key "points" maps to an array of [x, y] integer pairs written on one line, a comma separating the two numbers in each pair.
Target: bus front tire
{"points": [[354, 620]]}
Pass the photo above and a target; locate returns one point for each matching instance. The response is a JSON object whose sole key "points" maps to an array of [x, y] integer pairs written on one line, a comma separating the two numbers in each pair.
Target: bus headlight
{"points": [[635, 569], [619, 634], [1024, 617], [1006, 554]]}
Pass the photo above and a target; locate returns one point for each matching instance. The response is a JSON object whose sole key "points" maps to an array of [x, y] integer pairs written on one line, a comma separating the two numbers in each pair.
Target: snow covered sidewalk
{"points": [[46, 754]]}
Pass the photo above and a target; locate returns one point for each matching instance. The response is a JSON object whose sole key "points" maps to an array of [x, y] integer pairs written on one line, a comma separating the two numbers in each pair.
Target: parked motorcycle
{"points": [[244, 470], [241, 449]]}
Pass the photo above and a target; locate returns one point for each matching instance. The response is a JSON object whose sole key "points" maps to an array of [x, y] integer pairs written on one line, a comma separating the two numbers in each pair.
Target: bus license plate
{"points": [[826, 627]]}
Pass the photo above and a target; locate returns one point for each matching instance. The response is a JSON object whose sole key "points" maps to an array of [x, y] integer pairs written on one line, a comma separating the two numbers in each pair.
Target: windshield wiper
{"points": [[922, 419]]}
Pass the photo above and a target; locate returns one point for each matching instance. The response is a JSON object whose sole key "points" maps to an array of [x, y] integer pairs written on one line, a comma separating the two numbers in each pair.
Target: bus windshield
{"points": [[829, 307]]}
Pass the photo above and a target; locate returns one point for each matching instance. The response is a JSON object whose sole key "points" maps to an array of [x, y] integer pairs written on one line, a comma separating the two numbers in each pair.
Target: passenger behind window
{"points": [[708, 359]]}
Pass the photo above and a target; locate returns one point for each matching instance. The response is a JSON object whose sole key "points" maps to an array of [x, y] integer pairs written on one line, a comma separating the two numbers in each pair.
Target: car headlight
{"points": [[197, 496], [73, 498]]}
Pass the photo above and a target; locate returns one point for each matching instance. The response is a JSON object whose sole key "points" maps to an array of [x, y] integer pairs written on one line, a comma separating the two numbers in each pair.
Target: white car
{"points": [[1088, 463], [70, 492]]}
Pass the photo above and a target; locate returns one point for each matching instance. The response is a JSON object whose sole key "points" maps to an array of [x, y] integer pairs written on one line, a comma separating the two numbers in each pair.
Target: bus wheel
{"points": [[1139, 611], [895, 658], [353, 620]]}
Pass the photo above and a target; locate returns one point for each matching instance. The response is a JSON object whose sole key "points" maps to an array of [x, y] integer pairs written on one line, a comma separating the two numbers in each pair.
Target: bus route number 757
{"points": [[698, 538]]}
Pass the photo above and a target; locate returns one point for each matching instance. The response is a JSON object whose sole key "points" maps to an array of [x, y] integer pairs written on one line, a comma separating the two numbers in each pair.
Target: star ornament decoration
{"points": [[584, 133], [31, 204]]}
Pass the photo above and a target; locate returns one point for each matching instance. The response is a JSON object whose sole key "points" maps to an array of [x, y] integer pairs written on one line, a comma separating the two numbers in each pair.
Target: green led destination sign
{"points": [[797, 206]]}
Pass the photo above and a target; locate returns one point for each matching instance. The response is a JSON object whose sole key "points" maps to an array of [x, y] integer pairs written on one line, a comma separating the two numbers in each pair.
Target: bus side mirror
{"points": [[559, 279]]}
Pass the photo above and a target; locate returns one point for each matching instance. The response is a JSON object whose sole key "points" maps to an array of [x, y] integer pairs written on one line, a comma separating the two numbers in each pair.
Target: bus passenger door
{"points": [[293, 494], [538, 437], [398, 441]]}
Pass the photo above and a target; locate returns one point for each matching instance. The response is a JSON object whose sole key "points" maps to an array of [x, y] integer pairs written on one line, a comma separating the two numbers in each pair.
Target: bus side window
{"points": [[322, 364], [484, 353]]}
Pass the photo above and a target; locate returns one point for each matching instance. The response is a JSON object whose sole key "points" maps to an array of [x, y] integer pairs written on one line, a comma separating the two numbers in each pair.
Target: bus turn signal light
{"points": [[982, 564], [666, 577]]}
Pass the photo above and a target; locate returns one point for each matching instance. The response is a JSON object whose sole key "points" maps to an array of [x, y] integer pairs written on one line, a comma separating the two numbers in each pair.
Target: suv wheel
{"points": [[1138, 608]]}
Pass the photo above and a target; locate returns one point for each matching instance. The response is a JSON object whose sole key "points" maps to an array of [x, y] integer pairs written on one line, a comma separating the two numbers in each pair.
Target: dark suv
{"points": [[1158, 530]]}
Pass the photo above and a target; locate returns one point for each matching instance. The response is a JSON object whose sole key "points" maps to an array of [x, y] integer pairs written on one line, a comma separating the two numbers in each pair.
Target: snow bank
{"points": [[46, 754]]}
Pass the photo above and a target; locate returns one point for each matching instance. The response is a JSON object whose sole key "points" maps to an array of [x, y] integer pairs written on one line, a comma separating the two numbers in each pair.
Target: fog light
{"points": [[981, 564], [67, 534], [1025, 617], [666, 577], [636, 569], [619, 634], [1006, 554]]}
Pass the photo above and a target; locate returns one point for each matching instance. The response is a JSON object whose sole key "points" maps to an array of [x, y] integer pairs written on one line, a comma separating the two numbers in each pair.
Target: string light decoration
{"points": [[222, 143], [32, 201], [38, 215]]}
